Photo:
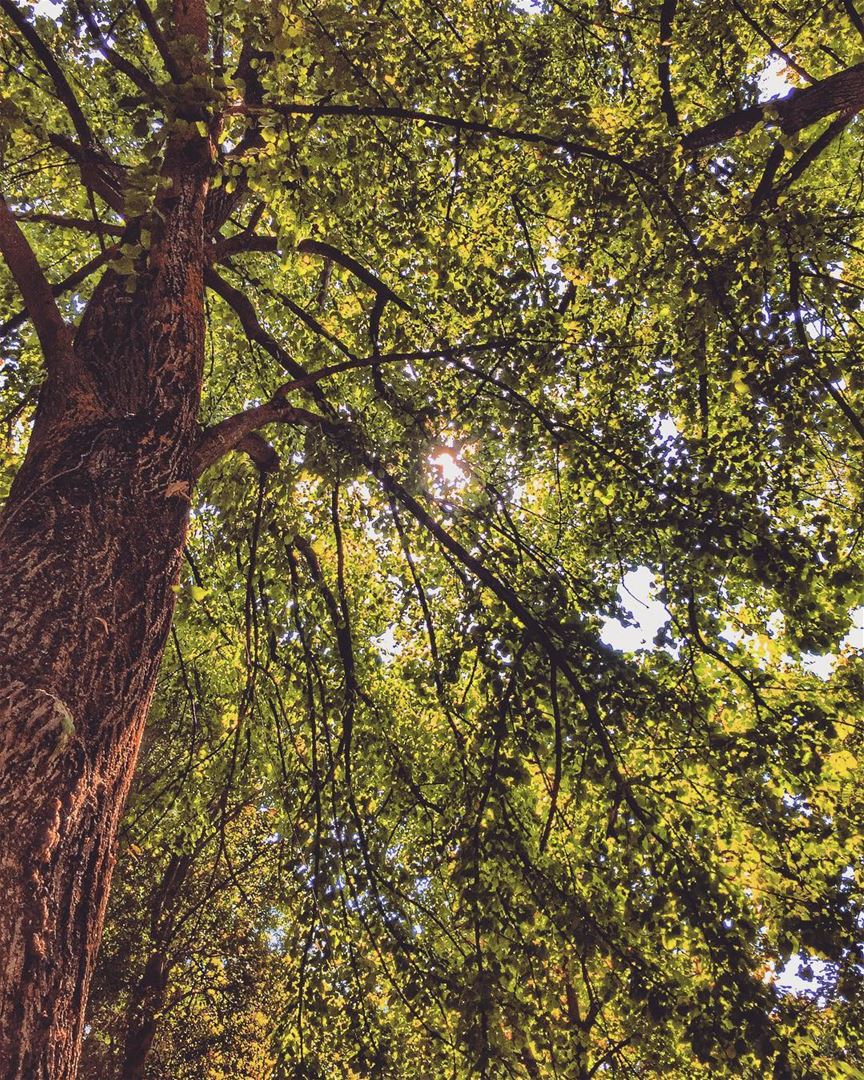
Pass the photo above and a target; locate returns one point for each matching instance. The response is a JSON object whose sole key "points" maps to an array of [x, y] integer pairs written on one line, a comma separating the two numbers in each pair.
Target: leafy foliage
{"points": [[401, 812]]}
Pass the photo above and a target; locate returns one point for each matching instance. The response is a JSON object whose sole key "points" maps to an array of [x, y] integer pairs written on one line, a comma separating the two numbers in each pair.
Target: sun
{"points": [[450, 470]]}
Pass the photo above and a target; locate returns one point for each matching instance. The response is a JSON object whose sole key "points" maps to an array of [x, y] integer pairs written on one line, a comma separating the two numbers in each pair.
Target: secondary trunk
{"points": [[148, 995], [91, 540], [148, 998]]}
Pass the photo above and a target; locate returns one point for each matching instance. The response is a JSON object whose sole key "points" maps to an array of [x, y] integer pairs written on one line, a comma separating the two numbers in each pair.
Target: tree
{"points": [[525, 300]]}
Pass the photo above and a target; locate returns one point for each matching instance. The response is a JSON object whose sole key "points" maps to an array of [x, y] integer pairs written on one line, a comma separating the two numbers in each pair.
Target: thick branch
{"points": [[158, 39], [854, 17], [257, 448], [221, 203], [243, 242], [234, 433], [97, 173], [55, 336], [190, 18], [766, 183], [843, 92]]}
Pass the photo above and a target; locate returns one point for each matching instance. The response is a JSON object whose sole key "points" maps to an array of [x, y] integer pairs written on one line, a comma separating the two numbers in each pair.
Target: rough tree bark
{"points": [[842, 93], [91, 540]]}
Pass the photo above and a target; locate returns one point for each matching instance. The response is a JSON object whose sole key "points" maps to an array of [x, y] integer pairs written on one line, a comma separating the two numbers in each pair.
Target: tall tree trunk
{"points": [[91, 540]]}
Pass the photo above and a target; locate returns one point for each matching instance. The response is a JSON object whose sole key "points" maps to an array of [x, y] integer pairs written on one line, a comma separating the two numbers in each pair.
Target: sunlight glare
{"points": [[776, 79], [449, 469]]}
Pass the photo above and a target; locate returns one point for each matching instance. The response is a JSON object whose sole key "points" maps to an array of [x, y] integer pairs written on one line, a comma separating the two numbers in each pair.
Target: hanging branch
{"points": [[667, 102], [559, 754], [337, 612], [535, 627], [827, 385]]}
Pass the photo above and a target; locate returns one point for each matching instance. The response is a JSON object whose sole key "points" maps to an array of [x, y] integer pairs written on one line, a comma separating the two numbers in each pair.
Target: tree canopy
{"points": [[504, 302]]}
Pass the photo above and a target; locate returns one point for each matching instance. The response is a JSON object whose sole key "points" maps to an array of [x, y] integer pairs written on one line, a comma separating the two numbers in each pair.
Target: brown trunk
{"points": [[87, 557], [91, 540]]}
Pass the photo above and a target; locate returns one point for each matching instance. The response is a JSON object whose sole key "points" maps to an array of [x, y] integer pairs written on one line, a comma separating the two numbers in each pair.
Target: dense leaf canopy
{"points": [[527, 297]]}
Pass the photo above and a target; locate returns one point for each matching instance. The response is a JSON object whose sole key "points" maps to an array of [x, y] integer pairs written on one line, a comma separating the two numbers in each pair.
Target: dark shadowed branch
{"points": [[842, 92], [49, 62], [140, 78], [667, 102]]}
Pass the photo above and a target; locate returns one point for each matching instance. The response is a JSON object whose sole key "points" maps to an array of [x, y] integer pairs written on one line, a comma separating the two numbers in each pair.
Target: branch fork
{"points": [[240, 432]]}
